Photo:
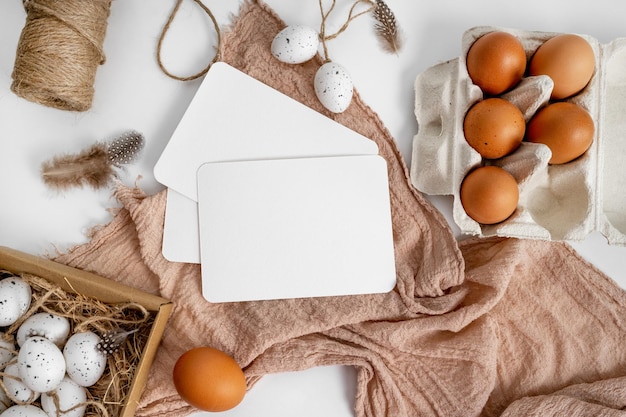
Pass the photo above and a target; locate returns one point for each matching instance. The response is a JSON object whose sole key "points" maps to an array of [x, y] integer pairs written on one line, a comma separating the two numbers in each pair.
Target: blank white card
{"points": [[292, 228], [235, 117]]}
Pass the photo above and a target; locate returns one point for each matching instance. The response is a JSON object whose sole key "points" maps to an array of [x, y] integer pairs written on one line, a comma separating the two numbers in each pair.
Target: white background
{"points": [[132, 93]]}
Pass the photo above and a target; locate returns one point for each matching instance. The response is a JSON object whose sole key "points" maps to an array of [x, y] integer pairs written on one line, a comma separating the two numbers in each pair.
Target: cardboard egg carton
{"points": [[558, 202]]}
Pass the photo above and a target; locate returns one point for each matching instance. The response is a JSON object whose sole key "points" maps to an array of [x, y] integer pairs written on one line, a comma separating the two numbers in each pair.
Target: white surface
{"points": [[132, 93], [294, 228]]}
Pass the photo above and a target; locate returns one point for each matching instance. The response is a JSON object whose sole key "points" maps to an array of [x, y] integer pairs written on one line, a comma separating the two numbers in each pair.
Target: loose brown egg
{"points": [[494, 127], [489, 194], [209, 379], [569, 60], [496, 62], [566, 128]]}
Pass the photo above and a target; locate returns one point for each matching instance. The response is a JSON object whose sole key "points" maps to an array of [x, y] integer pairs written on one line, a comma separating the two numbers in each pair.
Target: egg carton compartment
{"points": [[556, 202]]}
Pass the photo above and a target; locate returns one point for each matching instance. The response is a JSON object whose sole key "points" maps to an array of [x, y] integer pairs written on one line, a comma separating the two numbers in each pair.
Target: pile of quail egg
{"points": [[42, 363]]}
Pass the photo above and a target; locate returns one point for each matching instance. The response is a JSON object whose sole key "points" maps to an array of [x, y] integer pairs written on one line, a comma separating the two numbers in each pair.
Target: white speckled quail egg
{"points": [[69, 395], [15, 296], [40, 364], [52, 327], [333, 87], [85, 362], [295, 44], [7, 350], [16, 390], [24, 411]]}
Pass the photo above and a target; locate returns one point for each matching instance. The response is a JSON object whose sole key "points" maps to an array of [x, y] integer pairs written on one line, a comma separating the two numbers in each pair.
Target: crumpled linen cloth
{"points": [[484, 327]]}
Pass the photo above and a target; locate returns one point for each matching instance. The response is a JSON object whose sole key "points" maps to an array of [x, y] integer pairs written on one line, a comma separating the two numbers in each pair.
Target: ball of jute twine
{"points": [[59, 51]]}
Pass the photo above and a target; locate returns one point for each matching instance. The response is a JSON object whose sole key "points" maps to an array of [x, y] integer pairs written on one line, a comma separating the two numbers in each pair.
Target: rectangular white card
{"points": [[291, 228], [235, 117], [181, 234]]}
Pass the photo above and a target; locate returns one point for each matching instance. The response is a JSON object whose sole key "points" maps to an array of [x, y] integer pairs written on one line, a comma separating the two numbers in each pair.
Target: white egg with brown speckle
{"points": [[295, 44], [85, 362], [15, 297], [40, 364], [333, 87], [51, 326], [24, 411], [16, 390], [67, 395]]}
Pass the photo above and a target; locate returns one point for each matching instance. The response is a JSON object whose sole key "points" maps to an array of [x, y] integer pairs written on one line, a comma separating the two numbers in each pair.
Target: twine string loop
{"points": [[166, 28]]}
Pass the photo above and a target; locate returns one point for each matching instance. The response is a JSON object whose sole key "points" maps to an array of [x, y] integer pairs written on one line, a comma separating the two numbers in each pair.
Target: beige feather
{"points": [[94, 166], [386, 27]]}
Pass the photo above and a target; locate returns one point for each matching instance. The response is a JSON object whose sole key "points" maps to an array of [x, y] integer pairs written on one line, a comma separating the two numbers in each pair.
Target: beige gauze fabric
{"points": [[480, 328]]}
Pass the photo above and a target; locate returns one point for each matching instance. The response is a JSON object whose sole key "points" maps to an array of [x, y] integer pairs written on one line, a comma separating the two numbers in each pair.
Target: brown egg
{"points": [[496, 62], [494, 127], [489, 194], [209, 379], [566, 128], [569, 60]]}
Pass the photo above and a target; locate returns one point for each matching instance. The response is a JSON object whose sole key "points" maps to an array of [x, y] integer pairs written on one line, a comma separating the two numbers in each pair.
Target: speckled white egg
{"points": [[24, 411], [85, 363], [295, 44], [7, 350], [52, 327], [333, 87], [15, 296], [16, 390], [69, 395], [40, 364], [5, 401]]}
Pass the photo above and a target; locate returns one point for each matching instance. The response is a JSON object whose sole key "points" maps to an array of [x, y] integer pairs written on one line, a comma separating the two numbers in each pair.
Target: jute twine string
{"points": [[166, 28], [59, 51], [352, 14]]}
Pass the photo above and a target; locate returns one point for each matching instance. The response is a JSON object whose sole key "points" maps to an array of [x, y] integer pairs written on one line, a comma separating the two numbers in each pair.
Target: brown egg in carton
{"points": [[557, 202]]}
